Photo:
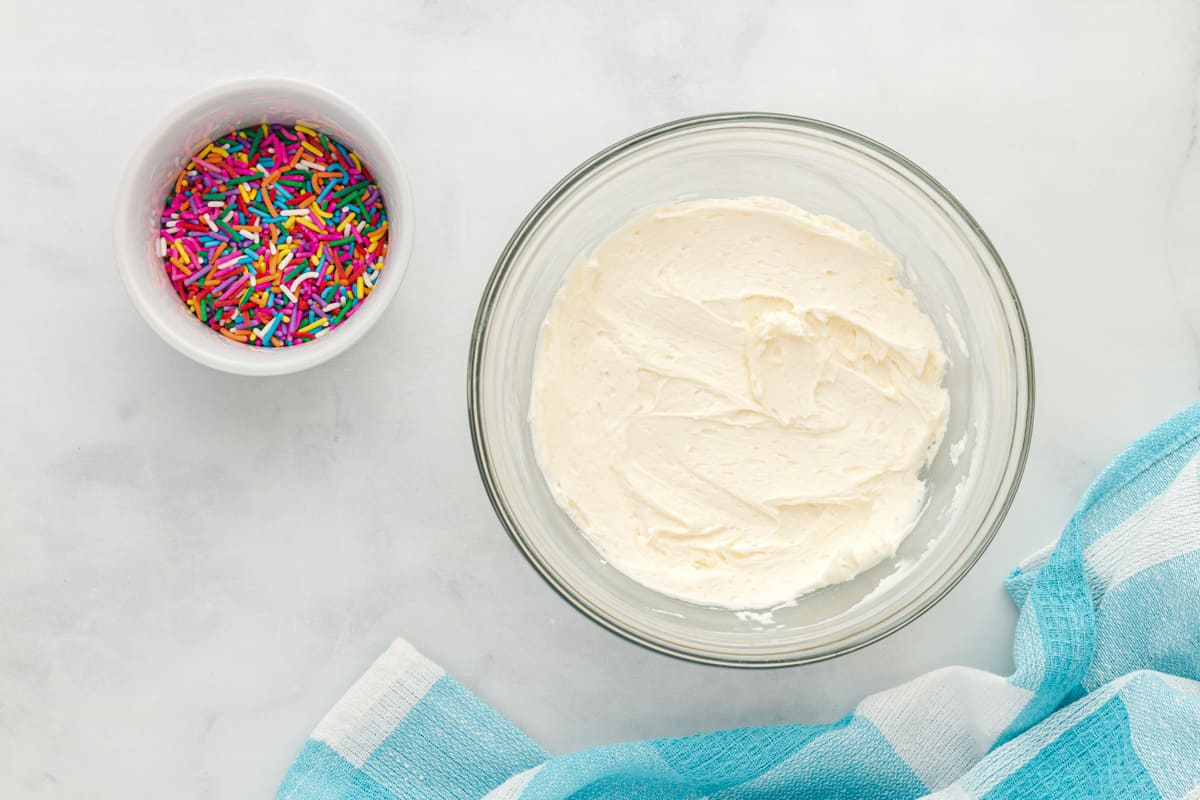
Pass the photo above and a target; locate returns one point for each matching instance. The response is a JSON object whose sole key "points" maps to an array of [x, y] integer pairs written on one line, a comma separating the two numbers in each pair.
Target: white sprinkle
{"points": [[271, 247], [216, 203], [208, 222], [362, 225], [287, 259], [227, 217], [332, 307], [294, 212], [261, 168], [304, 162], [369, 281], [301, 279], [249, 235], [322, 332], [289, 294], [162, 247]]}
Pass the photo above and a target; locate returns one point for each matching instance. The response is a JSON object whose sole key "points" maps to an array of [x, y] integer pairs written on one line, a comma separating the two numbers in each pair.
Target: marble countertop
{"points": [[170, 627]]}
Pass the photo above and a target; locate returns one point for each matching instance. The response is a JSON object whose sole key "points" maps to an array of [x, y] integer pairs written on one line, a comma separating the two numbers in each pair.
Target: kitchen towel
{"points": [[1105, 700]]}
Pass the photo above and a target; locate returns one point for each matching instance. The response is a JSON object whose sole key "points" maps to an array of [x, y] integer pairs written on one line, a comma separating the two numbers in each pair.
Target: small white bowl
{"points": [[169, 146]]}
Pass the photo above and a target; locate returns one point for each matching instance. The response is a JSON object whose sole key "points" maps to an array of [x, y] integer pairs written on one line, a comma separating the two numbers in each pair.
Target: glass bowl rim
{"points": [[999, 277]]}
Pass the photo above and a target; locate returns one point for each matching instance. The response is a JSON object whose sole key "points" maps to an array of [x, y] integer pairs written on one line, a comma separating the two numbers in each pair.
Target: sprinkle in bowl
{"points": [[152, 181]]}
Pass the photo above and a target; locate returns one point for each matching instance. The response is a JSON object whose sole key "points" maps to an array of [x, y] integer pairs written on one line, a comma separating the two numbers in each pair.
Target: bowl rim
{"points": [[1023, 424], [264, 361]]}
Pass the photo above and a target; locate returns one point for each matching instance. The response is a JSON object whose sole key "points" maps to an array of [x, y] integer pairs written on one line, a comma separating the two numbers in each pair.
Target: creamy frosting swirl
{"points": [[733, 399]]}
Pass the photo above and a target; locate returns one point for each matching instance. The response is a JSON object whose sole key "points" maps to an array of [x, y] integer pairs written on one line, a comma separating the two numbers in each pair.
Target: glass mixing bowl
{"points": [[947, 262]]}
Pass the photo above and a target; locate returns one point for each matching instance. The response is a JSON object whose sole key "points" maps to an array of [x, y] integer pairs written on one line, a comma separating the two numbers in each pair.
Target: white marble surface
{"points": [[168, 629]]}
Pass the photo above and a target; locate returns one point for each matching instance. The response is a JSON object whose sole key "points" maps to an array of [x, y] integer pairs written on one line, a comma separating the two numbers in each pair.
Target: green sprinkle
{"points": [[303, 266], [356, 188], [340, 242], [257, 141], [340, 314], [242, 179]]}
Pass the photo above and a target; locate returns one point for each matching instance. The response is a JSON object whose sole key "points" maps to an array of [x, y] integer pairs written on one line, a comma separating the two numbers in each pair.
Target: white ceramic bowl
{"points": [[170, 145]]}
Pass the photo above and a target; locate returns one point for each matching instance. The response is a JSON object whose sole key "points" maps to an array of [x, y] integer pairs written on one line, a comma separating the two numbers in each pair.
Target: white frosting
{"points": [[733, 400]]}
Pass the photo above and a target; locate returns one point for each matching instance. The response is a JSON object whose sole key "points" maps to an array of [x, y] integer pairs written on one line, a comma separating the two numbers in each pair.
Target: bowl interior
{"points": [[168, 148], [950, 267]]}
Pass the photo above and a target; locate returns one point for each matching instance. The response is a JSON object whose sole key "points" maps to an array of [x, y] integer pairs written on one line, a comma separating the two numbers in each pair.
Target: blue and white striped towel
{"points": [[1104, 701]]}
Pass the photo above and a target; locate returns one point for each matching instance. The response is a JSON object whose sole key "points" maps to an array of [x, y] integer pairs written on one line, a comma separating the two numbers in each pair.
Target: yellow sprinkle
{"points": [[313, 325], [358, 288], [303, 129], [304, 221], [207, 149], [354, 158], [320, 212], [182, 253], [314, 150]]}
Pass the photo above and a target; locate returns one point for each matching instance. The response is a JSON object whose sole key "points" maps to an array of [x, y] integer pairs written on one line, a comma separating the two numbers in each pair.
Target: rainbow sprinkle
{"points": [[274, 235]]}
